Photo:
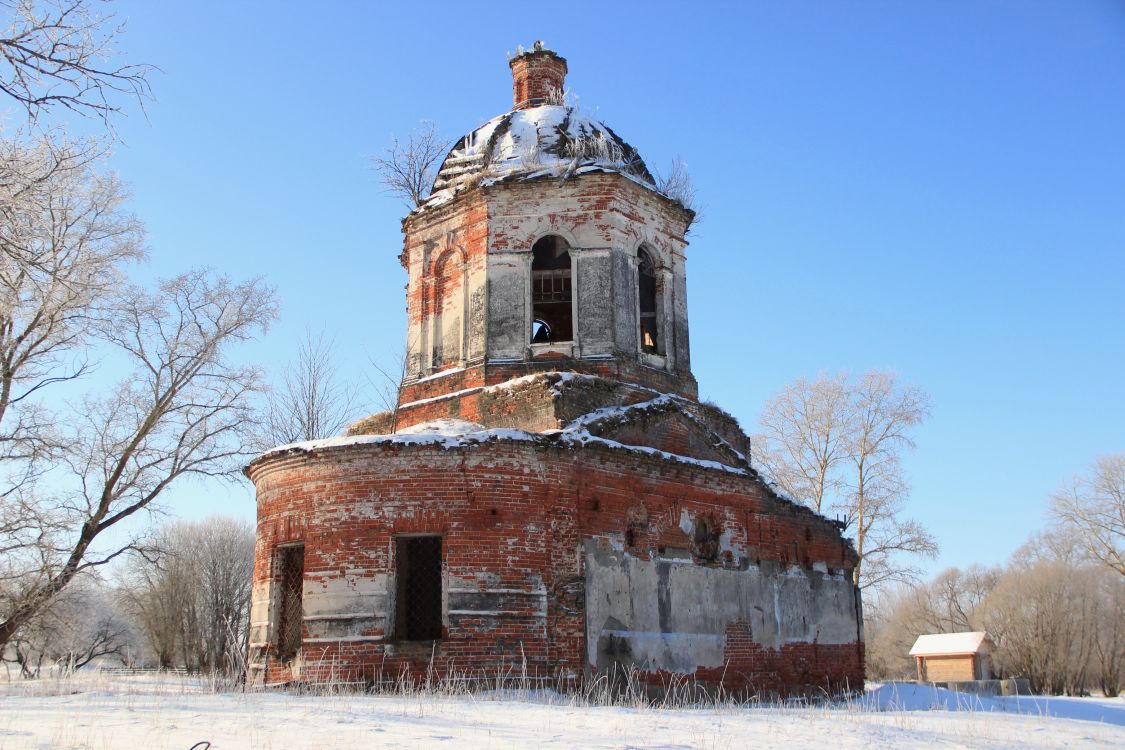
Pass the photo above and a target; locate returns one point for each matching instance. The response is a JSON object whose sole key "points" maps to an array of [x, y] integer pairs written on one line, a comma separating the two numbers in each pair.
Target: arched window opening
{"points": [[552, 317], [647, 298]]}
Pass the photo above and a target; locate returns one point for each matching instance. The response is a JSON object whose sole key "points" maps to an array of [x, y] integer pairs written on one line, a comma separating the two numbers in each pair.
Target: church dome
{"points": [[540, 138], [545, 141]]}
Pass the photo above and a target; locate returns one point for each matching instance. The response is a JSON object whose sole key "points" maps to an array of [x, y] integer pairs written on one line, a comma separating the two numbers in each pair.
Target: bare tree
{"points": [[77, 627], [151, 594], [55, 53], [1109, 634], [225, 570], [311, 403], [1042, 620], [891, 623], [884, 413], [836, 446], [1056, 618], [1094, 506], [183, 412], [65, 238], [387, 383], [192, 600], [408, 169], [954, 598], [802, 445]]}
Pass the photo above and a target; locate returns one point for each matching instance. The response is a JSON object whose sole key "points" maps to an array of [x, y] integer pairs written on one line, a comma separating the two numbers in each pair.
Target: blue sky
{"points": [[936, 188]]}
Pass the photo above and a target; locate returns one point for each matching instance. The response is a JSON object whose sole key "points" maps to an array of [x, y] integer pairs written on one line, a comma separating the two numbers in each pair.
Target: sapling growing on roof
{"points": [[408, 169], [677, 185]]}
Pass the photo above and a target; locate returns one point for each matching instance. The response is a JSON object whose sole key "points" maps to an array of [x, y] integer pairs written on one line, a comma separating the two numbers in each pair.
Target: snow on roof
{"points": [[445, 426], [610, 413], [947, 644], [453, 433], [545, 141]]}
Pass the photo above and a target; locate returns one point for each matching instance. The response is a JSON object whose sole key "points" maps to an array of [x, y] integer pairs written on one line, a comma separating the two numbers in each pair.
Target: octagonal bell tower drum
{"points": [[545, 245]]}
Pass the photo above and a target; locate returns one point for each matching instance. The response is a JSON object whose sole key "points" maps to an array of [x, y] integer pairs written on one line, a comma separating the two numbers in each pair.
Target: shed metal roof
{"points": [[950, 644]]}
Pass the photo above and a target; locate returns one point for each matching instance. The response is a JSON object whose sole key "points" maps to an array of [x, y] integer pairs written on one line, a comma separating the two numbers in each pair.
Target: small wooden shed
{"points": [[953, 657]]}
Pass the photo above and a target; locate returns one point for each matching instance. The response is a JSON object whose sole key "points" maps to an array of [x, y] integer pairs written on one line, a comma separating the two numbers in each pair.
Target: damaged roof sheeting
{"points": [[545, 141]]}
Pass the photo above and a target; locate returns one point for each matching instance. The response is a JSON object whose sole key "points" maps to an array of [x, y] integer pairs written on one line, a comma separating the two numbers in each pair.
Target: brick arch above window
{"points": [[574, 234], [660, 255]]}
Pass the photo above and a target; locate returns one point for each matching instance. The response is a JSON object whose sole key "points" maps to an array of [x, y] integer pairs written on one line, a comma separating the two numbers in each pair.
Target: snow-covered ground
{"points": [[150, 713]]}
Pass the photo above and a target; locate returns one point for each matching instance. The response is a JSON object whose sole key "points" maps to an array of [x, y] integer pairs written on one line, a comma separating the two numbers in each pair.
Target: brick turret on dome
{"points": [[537, 77]]}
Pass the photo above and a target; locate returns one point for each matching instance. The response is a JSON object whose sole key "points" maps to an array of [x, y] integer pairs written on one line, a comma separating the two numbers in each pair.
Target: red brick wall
{"points": [[439, 249], [495, 219], [512, 515], [465, 406], [536, 76]]}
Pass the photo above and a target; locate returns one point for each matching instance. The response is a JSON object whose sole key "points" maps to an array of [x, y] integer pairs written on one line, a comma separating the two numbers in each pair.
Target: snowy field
{"points": [[151, 713]]}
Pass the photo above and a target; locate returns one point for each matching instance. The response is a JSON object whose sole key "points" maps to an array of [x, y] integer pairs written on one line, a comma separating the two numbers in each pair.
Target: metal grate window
{"points": [[290, 582], [550, 286], [418, 605]]}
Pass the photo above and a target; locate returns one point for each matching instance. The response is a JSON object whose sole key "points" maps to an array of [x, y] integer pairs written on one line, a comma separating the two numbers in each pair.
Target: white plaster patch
{"points": [[686, 524], [690, 607], [345, 596]]}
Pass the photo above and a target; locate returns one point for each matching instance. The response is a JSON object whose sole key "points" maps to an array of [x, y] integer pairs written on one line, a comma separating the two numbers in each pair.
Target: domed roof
{"points": [[537, 142]]}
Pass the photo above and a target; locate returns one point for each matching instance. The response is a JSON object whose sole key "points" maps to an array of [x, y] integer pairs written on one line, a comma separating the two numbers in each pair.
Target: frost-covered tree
{"points": [[68, 476], [58, 54], [65, 241], [77, 627], [191, 600]]}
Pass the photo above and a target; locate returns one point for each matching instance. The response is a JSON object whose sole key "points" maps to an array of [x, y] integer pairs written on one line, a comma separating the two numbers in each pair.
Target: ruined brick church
{"points": [[549, 498]]}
